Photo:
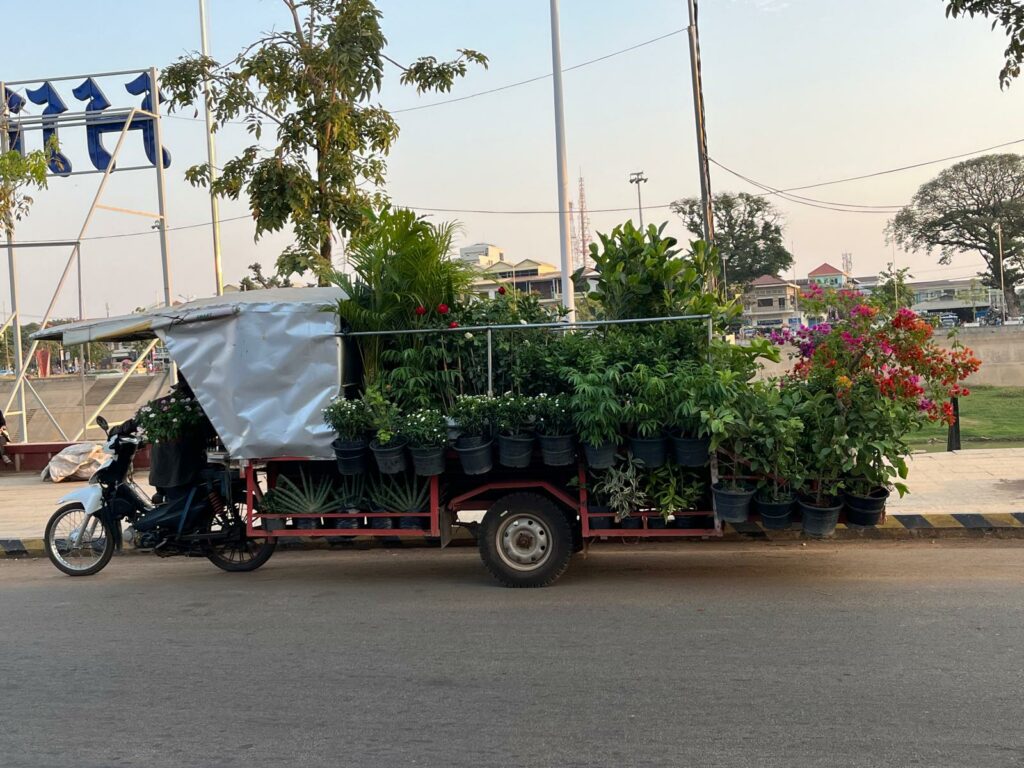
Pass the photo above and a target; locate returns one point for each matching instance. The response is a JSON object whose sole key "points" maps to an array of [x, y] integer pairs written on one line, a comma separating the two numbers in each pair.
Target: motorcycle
{"points": [[206, 519]]}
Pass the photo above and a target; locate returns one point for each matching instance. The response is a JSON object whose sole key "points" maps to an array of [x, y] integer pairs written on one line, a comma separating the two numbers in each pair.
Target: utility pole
{"points": [[1002, 283], [702, 139], [568, 290], [12, 268], [638, 178], [211, 152]]}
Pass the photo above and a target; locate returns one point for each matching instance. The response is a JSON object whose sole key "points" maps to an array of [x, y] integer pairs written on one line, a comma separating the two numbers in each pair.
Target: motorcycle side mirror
{"points": [[102, 424]]}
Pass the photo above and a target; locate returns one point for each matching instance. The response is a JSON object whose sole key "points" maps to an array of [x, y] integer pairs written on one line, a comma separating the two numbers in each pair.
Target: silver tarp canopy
{"points": [[263, 364]]}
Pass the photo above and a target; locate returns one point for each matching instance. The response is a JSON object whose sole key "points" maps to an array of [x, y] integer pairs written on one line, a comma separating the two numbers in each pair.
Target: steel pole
{"points": [[12, 269], [640, 205], [568, 290], [211, 152], [1002, 282], [161, 187], [702, 139]]}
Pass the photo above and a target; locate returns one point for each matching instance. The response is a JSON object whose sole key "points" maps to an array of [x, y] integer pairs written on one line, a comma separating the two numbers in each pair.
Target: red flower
{"points": [[501, 290], [452, 324], [442, 309], [421, 310]]}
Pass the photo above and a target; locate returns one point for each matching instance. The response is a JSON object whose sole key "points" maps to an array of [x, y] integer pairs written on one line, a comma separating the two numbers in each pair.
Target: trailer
{"points": [[264, 364]]}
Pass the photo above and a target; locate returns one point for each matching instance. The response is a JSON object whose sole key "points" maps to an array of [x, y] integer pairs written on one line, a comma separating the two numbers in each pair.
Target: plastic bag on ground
{"points": [[76, 462]]}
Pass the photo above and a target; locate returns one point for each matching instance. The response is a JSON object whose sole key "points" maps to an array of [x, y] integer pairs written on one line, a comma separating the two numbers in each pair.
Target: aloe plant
{"points": [[400, 493], [309, 497]]}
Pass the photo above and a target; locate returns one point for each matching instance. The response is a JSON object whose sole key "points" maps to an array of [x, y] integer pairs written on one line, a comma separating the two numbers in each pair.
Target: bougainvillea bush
{"points": [[880, 375]]}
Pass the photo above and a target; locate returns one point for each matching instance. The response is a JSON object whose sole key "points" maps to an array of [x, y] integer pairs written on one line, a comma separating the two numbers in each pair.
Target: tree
{"points": [[961, 211], [892, 291], [1006, 13], [18, 174], [256, 280], [312, 84], [748, 233]]}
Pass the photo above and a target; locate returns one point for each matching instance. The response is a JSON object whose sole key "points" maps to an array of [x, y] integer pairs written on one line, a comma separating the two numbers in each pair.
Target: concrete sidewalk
{"points": [[979, 482]]}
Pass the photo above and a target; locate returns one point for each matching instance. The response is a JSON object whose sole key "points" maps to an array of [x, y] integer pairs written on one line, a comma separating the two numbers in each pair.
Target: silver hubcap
{"points": [[524, 542], [76, 547]]}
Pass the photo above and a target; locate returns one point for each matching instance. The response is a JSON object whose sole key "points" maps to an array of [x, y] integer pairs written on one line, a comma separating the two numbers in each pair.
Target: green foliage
{"points": [[351, 419], [1009, 14], [400, 493], [170, 418], [878, 427], [312, 83], [621, 488], [825, 447], [748, 233], [256, 280], [554, 415], [671, 489], [596, 406], [385, 416], [425, 428], [474, 415], [646, 403], [350, 491], [19, 174], [730, 421], [892, 291], [420, 375], [773, 443], [310, 497], [514, 414], [958, 212]]}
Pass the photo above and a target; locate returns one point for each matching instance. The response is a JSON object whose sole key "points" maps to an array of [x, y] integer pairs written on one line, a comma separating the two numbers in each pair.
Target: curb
{"points": [[1005, 525]]}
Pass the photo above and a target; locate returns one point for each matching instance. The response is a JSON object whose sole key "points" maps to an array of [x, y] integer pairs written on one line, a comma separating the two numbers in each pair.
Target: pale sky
{"points": [[797, 92]]}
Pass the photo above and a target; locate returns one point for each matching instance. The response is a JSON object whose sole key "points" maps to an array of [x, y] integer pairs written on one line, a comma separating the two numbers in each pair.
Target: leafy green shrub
{"points": [[400, 493], [474, 415], [646, 404], [385, 416], [514, 414], [621, 488], [351, 419], [425, 428], [671, 489], [595, 404], [554, 415]]}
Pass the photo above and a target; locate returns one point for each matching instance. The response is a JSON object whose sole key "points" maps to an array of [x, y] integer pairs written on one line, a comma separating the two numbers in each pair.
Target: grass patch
{"points": [[987, 415]]}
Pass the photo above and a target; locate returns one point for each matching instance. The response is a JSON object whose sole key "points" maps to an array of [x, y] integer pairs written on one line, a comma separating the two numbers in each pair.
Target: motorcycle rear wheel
{"points": [[95, 546], [237, 553]]}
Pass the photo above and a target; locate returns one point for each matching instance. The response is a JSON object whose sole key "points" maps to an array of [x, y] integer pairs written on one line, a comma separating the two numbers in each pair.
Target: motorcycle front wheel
{"points": [[77, 546], [235, 552]]}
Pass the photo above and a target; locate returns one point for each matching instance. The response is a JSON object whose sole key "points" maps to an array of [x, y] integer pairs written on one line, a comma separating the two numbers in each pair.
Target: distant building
{"points": [[828, 276], [772, 302], [482, 254], [528, 276], [965, 297]]}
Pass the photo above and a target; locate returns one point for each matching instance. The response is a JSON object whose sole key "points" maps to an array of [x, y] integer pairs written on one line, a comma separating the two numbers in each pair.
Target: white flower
{"points": [[469, 335]]}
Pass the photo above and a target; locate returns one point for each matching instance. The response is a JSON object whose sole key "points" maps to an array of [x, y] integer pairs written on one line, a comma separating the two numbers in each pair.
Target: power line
{"points": [[499, 88]]}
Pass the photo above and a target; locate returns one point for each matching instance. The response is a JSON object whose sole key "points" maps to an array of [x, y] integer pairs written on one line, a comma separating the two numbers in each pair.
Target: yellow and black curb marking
{"points": [[1007, 525]]}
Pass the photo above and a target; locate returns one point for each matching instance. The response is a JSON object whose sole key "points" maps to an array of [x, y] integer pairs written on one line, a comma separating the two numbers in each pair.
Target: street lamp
{"points": [[1002, 284], [638, 178]]}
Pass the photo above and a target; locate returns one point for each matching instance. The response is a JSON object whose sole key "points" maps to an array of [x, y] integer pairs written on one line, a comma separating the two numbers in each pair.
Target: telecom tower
{"points": [[581, 231], [848, 264], [573, 238]]}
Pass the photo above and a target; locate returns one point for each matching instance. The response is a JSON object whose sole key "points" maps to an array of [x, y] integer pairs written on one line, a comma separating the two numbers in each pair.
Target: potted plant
{"points": [[597, 414], [304, 502], [825, 450], [729, 424], [690, 393], [878, 427], [401, 493], [773, 452], [673, 491], [645, 411], [350, 419], [388, 446], [350, 497], [621, 489], [427, 433], [555, 430], [514, 417], [474, 415]]}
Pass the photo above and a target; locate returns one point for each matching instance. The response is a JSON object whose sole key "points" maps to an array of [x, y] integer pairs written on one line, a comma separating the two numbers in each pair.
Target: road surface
{"points": [[888, 654]]}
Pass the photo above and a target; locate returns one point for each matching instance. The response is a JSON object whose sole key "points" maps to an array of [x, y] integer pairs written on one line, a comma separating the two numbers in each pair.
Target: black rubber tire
{"points": [[264, 550], [559, 544], [108, 549]]}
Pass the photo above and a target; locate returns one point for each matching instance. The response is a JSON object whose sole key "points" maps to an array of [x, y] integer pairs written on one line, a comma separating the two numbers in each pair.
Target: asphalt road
{"points": [[700, 655]]}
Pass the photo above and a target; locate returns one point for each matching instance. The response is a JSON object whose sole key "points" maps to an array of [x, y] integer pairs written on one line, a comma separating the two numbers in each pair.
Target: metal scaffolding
{"points": [[50, 122]]}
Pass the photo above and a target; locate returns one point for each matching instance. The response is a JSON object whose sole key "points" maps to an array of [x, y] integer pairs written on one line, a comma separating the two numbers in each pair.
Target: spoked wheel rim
{"points": [[75, 548], [236, 548], [524, 542]]}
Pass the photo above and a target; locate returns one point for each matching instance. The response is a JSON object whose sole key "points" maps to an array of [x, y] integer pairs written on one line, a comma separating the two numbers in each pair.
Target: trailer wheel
{"points": [[525, 540]]}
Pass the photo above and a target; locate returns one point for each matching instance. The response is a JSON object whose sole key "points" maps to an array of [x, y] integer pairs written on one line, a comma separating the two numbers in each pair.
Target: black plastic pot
{"points": [[819, 522], [775, 515], [351, 455], [631, 523], [652, 451], [656, 522], [600, 456], [306, 523], [382, 523], [390, 458], [732, 506], [429, 461], [865, 510], [599, 523], [693, 521], [690, 451], [475, 455], [515, 451], [557, 450], [413, 523], [351, 523]]}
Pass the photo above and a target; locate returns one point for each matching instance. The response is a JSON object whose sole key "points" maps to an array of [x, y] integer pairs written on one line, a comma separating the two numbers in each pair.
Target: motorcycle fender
{"points": [[90, 497]]}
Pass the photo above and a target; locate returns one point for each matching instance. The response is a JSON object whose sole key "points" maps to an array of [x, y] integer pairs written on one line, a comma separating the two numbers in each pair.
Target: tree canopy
{"points": [[1009, 14], [312, 83], [18, 175], [961, 211], [748, 233]]}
